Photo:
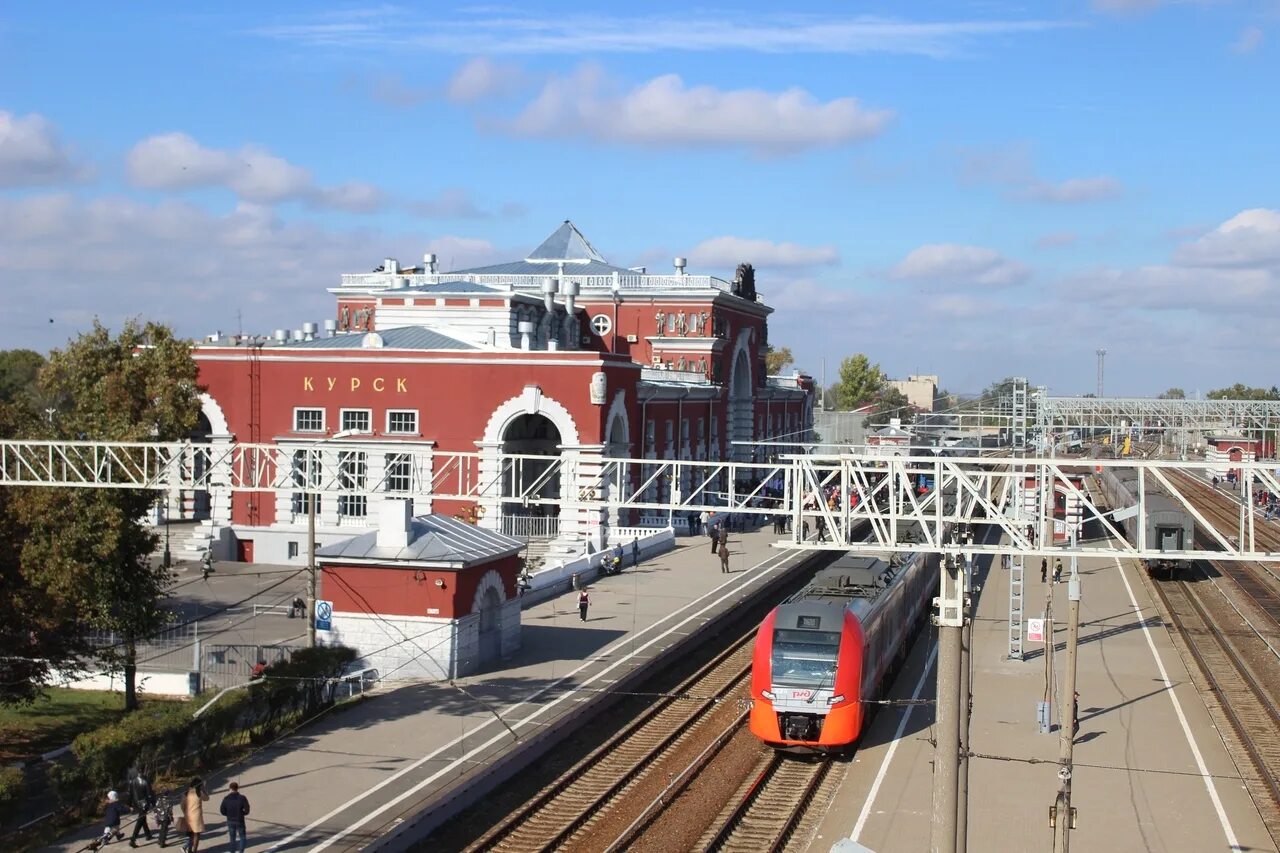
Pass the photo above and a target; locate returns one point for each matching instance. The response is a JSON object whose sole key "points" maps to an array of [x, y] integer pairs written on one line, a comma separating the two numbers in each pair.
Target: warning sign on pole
{"points": [[1035, 630]]}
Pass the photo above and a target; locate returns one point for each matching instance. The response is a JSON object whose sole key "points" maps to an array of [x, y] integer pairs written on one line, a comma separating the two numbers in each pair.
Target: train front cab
{"points": [[806, 714]]}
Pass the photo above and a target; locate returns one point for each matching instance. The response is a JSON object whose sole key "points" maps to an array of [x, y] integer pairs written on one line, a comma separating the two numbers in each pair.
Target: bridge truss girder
{"points": [[884, 510]]}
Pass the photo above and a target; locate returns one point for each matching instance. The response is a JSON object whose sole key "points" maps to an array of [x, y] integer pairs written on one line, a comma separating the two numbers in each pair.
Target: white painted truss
{"points": [[1111, 412], [866, 502]]}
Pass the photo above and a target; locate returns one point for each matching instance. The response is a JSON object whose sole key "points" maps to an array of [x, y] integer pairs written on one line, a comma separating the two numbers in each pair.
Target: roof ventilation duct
{"points": [[680, 264]]}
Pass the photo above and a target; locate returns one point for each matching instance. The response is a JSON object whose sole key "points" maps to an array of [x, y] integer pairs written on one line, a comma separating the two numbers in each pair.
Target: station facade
{"points": [[557, 354]]}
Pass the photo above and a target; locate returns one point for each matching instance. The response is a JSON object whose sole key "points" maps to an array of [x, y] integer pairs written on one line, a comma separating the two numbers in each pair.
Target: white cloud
{"points": [[953, 264], [175, 161], [1250, 239], [510, 31], [451, 203], [1012, 167], [1249, 40], [664, 112], [762, 254], [482, 78], [392, 90], [117, 257], [1125, 7], [1056, 240], [1073, 191], [31, 154]]}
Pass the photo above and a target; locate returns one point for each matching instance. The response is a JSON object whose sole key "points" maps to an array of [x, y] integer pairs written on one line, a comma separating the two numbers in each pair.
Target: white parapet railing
{"points": [[635, 281], [661, 374], [530, 526]]}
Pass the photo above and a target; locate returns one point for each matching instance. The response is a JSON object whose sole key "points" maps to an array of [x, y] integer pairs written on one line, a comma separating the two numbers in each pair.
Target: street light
{"points": [[311, 538]]}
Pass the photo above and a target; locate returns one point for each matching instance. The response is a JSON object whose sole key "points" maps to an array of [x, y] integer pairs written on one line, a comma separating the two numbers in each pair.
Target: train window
{"points": [[811, 623], [805, 658]]}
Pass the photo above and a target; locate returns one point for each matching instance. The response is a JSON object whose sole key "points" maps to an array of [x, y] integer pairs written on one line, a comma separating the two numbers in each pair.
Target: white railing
{"points": [[634, 281], [531, 526], [629, 533], [784, 381], [661, 374]]}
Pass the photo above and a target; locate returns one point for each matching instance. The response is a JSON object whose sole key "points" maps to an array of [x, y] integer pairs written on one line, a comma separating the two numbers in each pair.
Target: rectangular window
{"points": [[308, 420], [399, 472], [402, 421], [648, 434], [357, 420], [353, 470], [684, 430], [671, 431], [306, 466], [702, 429], [293, 550]]}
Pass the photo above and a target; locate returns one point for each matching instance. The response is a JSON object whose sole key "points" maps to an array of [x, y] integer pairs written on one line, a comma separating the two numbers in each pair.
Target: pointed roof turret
{"points": [[566, 244]]}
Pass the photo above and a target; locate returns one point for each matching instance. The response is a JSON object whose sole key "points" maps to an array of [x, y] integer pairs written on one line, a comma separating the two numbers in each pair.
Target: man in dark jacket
{"points": [[143, 799], [235, 808]]}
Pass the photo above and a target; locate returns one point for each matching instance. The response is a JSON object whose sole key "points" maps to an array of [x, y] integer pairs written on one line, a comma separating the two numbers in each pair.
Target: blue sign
{"points": [[324, 615]]}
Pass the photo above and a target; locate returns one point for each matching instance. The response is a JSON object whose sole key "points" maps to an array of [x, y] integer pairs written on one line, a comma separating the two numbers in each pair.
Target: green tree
{"points": [[89, 549], [890, 403], [1174, 394], [18, 370], [859, 383], [1240, 391], [778, 359]]}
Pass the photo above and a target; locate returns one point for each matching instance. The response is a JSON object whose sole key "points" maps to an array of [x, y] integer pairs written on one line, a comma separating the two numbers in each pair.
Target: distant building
{"points": [[919, 390]]}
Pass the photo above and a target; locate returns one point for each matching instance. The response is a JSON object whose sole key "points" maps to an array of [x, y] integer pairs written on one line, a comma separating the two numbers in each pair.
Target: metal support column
{"points": [[946, 762], [1063, 814], [966, 703]]}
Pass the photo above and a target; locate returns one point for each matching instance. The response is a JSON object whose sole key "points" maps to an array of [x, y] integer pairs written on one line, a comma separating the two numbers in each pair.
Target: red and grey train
{"points": [[825, 651]]}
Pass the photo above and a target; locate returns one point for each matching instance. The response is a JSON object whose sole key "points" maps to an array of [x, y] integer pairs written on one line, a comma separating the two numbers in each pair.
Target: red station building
{"points": [[557, 354]]}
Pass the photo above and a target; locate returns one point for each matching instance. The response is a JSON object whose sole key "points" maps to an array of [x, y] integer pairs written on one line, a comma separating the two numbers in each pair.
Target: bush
{"points": [[12, 787], [164, 738]]}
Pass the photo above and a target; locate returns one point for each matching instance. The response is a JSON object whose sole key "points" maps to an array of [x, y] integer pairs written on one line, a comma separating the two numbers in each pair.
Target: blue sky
{"points": [[969, 189]]}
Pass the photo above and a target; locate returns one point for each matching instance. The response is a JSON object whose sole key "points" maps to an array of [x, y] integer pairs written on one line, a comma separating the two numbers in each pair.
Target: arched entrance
{"points": [[1235, 454], [490, 625], [195, 504], [741, 418], [531, 435]]}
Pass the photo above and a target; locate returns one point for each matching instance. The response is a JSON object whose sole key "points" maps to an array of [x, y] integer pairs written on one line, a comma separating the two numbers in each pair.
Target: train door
{"points": [[1170, 538]]}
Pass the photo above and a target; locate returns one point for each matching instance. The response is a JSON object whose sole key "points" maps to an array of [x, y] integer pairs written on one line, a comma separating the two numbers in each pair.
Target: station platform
{"points": [[1151, 772], [353, 778]]}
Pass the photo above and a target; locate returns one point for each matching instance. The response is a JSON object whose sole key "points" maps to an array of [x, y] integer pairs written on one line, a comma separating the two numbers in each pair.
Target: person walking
{"points": [[164, 817], [191, 821], [695, 526], [1057, 571], [111, 816], [722, 538], [724, 558], [143, 799], [584, 601], [713, 533], [635, 552], [1044, 569], [235, 808]]}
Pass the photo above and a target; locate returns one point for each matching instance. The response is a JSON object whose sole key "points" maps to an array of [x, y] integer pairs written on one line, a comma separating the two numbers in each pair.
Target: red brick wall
{"points": [[393, 591]]}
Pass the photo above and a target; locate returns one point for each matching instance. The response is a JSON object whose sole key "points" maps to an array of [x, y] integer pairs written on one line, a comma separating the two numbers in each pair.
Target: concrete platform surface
{"points": [[1151, 772], [345, 781]]}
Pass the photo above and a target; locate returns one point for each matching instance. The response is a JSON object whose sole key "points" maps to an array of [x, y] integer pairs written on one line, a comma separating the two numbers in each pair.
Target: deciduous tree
{"points": [[778, 360], [859, 383], [90, 549], [1174, 394]]}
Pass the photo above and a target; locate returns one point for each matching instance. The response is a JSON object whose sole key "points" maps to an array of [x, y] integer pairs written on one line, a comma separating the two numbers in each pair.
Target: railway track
{"points": [[1243, 698], [767, 811], [700, 709]]}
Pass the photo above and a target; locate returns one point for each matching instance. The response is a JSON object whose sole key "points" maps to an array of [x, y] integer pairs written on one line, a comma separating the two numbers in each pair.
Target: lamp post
{"points": [[311, 536], [164, 507]]}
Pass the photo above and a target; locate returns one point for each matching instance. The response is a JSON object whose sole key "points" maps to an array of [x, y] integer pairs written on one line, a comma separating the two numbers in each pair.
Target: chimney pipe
{"points": [[680, 265], [429, 263], [390, 266], [330, 328], [309, 331], [525, 328], [549, 288], [570, 291]]}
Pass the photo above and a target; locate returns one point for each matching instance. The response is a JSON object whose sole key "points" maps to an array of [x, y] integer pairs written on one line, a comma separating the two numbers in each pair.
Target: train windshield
{"points": [[805, 658]]}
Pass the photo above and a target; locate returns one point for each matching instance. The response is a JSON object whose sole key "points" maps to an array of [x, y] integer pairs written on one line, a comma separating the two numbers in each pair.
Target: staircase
{"points": [[188, 541]]}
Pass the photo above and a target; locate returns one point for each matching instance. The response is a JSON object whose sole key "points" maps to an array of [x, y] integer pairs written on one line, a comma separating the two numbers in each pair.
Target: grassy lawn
{"points": [[54, 721]]}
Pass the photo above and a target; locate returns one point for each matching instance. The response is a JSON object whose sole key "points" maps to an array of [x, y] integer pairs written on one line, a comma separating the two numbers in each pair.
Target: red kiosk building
{"points": [[557, 354]]}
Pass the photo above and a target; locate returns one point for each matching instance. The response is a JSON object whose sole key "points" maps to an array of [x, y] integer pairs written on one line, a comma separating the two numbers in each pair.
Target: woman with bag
{"points": [[191, 820]]}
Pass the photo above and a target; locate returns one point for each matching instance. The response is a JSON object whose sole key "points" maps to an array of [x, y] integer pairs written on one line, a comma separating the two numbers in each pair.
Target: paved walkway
{"points": [[351, 777], [1151, 772]]}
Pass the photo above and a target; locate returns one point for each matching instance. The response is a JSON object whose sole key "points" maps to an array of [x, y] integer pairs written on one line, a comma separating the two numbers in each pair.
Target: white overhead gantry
{"points": [[864, 501]]}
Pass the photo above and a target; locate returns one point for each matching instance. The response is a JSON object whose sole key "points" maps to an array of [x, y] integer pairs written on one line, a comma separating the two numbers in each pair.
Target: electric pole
{"points": [[1064, 815], [946, 762], [1048, 651], [966, 701]]}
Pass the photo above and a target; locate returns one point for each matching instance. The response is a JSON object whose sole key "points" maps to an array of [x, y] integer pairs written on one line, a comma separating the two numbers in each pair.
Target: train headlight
{"points": [[836, 700], [768, 694]]}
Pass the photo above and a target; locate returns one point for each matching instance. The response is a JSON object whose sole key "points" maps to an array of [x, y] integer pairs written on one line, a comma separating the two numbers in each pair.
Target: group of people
{"points": [[1044, 570], [142, 799], [1267, 502]]}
